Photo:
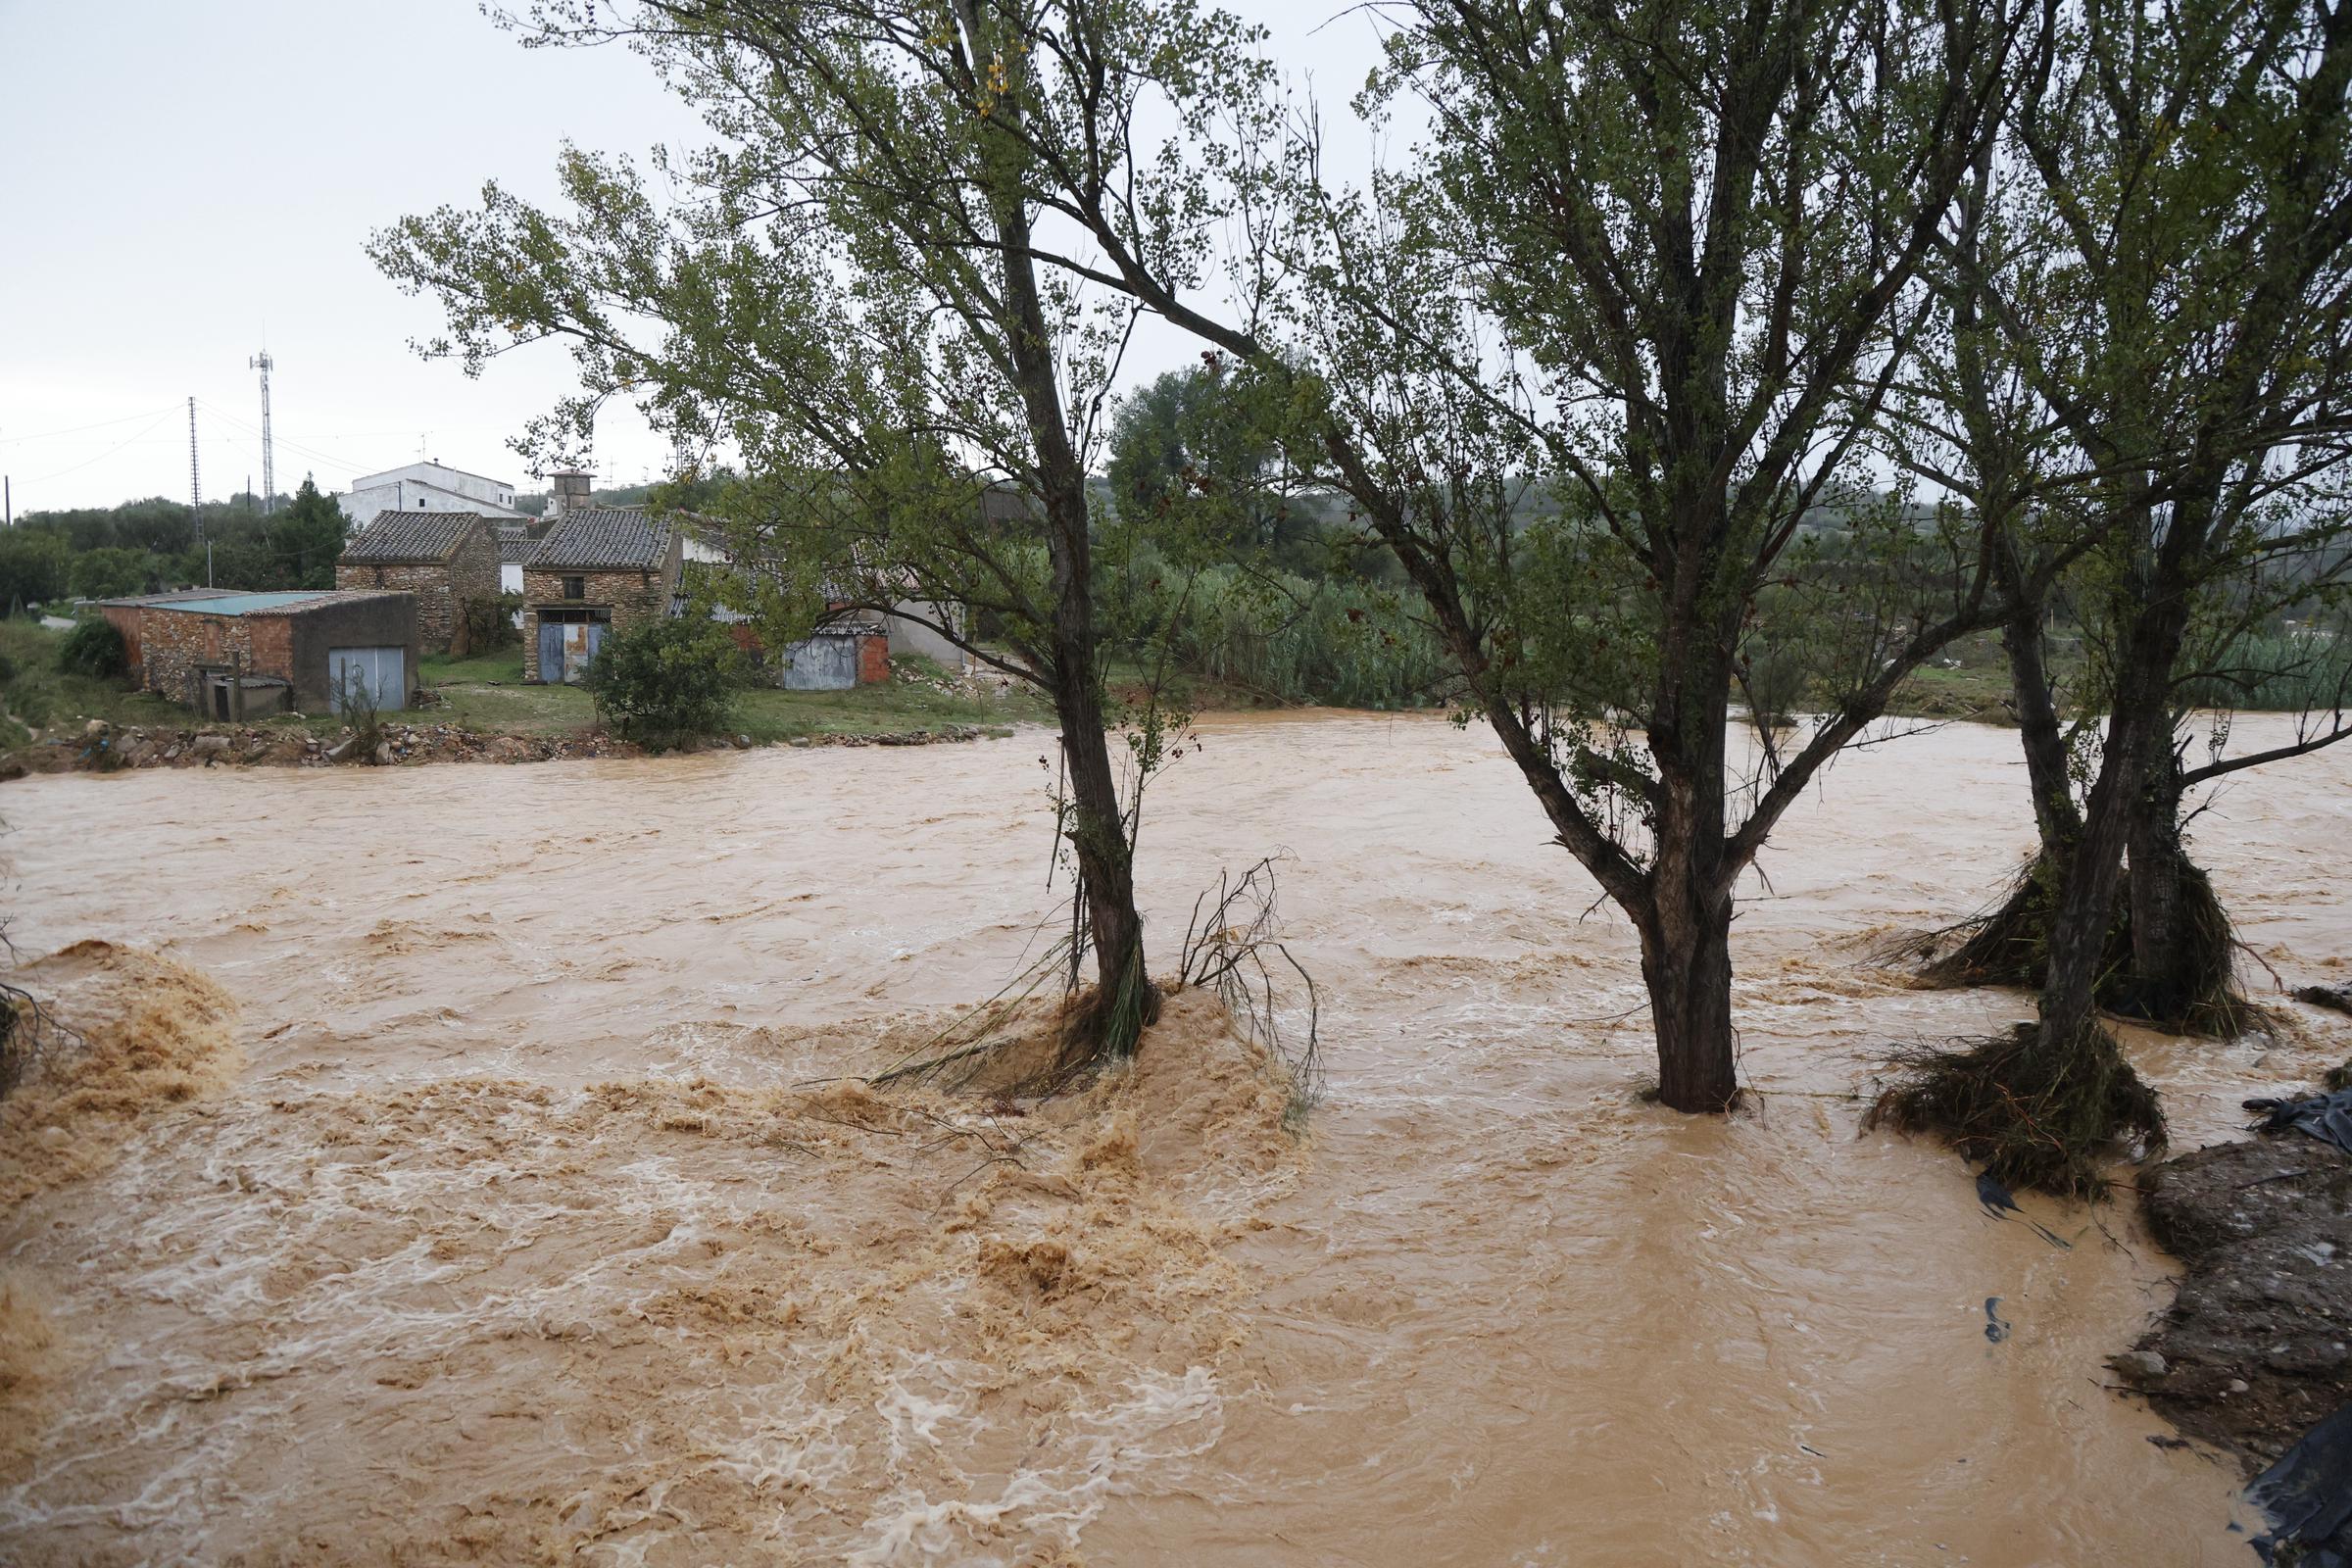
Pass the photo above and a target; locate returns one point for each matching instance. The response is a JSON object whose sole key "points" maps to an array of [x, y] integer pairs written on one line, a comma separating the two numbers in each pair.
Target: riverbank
{"points": [[2256, 1349], [476, 709]]}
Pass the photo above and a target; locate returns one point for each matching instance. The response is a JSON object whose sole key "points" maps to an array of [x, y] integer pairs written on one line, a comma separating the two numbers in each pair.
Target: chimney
{"points": [[571, 491]]}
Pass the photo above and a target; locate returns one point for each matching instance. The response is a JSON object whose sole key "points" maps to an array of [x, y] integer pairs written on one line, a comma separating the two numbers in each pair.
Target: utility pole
{"points": [[261, 361], [196, 494]]}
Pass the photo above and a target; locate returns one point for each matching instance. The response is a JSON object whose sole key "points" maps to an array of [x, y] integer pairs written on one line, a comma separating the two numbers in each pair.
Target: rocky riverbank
{"points": [[102, 747], [2257, 1347]]}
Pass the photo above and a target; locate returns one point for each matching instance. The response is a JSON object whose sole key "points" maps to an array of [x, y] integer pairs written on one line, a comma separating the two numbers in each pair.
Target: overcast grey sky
{"points": [[182, 184]]}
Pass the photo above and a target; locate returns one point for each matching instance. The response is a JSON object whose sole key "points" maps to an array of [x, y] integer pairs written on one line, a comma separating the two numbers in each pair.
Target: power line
{"points": [[109, 452], [44, 435], [341, 462]]}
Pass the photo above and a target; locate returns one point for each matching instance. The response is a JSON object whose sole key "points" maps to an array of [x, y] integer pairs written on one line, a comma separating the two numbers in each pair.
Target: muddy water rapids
{"points": [[538, 1224]]}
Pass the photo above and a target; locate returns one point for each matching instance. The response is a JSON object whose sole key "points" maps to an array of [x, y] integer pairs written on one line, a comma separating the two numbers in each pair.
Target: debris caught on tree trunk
{"points": [[2008, 945], [2038, 1116]]}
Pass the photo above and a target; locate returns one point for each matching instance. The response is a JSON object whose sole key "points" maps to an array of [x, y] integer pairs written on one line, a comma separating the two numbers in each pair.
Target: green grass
{"points": [[1971, 680], [502, 664]]}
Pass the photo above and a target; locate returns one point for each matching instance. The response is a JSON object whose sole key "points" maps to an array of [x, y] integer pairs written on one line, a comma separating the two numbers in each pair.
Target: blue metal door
{"points": [[551, 651]]}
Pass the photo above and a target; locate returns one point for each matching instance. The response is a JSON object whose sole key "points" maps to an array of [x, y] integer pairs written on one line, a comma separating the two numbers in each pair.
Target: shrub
{"points": [[356, 706], [93, 647], [488, 624], [1346, 643], [668, 681]]}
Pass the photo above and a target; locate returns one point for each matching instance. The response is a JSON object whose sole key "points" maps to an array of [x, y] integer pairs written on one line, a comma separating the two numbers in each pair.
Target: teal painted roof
{"points": [[247, 604]]}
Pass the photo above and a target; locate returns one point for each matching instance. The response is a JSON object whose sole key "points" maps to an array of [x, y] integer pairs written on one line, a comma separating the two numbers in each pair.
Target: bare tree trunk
{"points": [[2139, 739], [2009, 946], [1098, 836], [2182, 974], [1686, 922], [1098, 828], [1687, 965], [2039, 730], [2157, 872]]}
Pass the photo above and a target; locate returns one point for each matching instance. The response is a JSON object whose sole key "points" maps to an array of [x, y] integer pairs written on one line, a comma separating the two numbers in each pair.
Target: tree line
{"points": [[157, 544], [2044, 304]]}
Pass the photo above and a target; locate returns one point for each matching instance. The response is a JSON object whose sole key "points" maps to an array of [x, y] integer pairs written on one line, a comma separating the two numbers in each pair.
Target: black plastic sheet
{"points": [[2327, 1118], [2308, 1498]]}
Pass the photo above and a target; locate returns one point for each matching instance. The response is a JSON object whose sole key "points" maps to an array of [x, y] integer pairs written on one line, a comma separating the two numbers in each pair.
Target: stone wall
{"points": [[174, 642], [635, 598], [442, 588]]}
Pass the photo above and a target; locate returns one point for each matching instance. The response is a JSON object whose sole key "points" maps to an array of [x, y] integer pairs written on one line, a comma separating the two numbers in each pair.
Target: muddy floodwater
{"points": [[535, 1226]]}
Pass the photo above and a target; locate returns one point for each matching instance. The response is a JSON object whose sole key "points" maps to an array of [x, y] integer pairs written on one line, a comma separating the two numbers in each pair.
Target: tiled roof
{"points": [[515, 546], [411, 536], [605, 539]]}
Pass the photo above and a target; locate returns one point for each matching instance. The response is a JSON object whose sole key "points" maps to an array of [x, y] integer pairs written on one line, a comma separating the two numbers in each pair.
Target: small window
{"points": [[575, 587]]}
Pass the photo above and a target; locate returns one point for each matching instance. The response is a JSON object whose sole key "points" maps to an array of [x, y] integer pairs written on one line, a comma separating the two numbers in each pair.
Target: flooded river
{"points": [[534, 1227]]}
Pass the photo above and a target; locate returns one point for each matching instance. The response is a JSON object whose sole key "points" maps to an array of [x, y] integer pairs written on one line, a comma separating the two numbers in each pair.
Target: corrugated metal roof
{"points": [[285, 602], [605, 539], [411, 537], [176, 596]]}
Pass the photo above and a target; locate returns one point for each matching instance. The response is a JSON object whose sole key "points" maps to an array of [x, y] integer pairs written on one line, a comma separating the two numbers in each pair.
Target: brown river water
{"points": [[536, 1224]]}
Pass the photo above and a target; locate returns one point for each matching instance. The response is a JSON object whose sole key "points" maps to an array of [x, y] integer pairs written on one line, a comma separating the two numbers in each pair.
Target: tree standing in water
{"points": [[2178, 197], [1650, 263], [851, 292]]}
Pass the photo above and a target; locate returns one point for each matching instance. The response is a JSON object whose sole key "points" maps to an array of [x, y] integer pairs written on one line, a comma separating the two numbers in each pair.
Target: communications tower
{"points": [[261, 361]]}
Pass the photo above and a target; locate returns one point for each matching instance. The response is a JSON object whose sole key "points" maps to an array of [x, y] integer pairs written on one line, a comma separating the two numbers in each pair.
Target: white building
{"points": [[427, 487]]}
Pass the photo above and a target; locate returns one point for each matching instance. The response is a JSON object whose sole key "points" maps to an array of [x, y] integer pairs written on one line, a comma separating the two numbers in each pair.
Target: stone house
{"points": [[236, 656], [600, 570], [446, 559]]}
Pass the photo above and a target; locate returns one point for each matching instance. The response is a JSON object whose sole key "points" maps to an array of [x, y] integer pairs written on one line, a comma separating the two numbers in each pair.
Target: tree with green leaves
{"points": [[1206, 439], [305, 538], [112, 573], [2155, 295], [851, 294], [1658, 264], [35, 568]]}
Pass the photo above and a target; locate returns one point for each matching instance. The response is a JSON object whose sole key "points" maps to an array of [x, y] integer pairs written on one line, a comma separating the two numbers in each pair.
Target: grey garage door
{"points": [[380, 672], [821, 663]]}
